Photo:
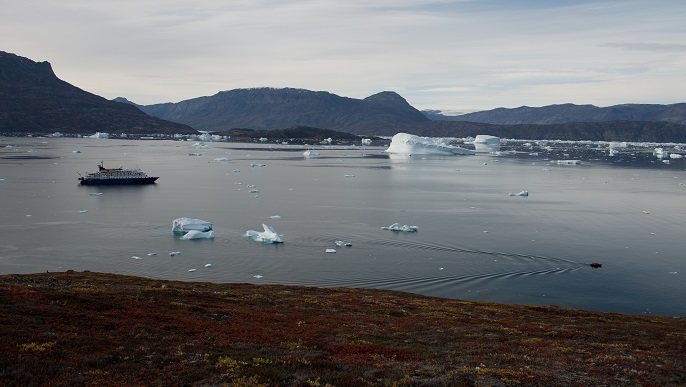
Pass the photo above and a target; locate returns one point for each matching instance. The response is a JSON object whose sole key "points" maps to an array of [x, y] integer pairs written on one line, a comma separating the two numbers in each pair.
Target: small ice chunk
{"points": [[236, 170], [254, 190], [174, 253], [136, 257], [83, 211], [398, 227], [188, 224], [76, 151], [151, 254], [257, 276], [522, 193], [569, 162], [275, 217], [208, 265], [269, 235], [195, 234], [310, 153], [646, 212], [330, 250], [343, 244], [257, 165], [95, 194], [191, 270], [349, 175], [225, 159]]}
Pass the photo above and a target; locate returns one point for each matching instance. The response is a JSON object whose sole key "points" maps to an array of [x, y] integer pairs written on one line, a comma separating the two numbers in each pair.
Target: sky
{"points": [[454, 56]]}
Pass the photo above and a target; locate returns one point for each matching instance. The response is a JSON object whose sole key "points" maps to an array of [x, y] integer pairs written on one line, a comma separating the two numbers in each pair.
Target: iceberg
{"points": [[195, 234], [522, 193], [269, 235], [99, 135], [486, 143], [398, 227], [310, 153], [187, 224], [410, 144]]}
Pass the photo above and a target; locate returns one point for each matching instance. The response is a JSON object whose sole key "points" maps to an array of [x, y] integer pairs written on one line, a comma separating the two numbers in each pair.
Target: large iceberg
{"points": [[269, 235], [184, 225], [486, 143], [410, 144]]}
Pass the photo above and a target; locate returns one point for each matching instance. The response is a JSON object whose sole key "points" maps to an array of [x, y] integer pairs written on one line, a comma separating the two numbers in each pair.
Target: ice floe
{"points": [[269, 235], [409, 144], [224, 159], [188, 224], [343, 244], [330, 251], [521, 193], [399, 227], [310, 153]]}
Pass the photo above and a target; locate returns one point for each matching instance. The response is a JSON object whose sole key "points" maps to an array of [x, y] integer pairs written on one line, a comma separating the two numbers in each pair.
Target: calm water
{"points": [[474, 241]]}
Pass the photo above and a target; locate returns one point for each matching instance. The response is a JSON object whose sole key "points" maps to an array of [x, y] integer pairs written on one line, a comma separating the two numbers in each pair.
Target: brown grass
{"points": [[102, 329]]}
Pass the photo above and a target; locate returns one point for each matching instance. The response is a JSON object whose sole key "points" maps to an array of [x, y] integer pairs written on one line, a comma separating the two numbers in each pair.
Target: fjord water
{"points": [[474, 241]]}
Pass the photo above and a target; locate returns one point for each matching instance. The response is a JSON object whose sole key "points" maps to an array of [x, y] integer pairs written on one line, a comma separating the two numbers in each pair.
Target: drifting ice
{"points": [[398, 227], [410, 144], [222, 159], [195, 234], [569, 162], [188, 224], [310, 153], [522, 193], [269, 235]]}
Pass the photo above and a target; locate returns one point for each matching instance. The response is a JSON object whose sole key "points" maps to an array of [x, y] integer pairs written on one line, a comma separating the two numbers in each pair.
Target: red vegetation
{"points": [[91, 328]]}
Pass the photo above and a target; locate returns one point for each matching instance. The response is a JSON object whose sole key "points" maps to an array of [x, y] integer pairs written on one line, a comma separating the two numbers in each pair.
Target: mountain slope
{"points": [[566, 113], [269, 108], [34, 100]]}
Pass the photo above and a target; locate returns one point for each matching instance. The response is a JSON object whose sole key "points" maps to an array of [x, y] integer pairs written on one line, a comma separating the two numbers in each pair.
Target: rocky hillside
{"points": [[566, 113], [268, 108], [34, 100]]}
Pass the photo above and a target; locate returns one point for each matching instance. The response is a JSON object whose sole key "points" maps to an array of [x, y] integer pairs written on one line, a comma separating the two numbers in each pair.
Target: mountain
{"points": [[566, 113], [34, 100], [269, 108]]}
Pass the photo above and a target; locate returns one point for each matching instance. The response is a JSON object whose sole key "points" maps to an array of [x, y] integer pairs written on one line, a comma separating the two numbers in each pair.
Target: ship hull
{"points": [[132, 181]]}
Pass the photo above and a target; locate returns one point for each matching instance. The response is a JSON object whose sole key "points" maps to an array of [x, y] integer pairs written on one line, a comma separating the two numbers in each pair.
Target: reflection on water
{"points": [[474, 241]]}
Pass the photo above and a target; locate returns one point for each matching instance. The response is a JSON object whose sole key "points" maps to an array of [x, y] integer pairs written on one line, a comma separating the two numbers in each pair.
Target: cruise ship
{"points": [[107, 176]]}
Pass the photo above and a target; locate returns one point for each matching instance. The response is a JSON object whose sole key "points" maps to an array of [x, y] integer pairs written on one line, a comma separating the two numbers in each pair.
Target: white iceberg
{"points": [[330, 251], [269, 235], [343, 244], [195, 234], [409, 144], [310, 153], [189, 224], [99, 135], [486, 143], [522, 193], [366, 141], [398, 227]]}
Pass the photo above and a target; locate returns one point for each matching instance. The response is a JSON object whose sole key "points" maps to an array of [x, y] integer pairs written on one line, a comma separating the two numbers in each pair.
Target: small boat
{"points": [[109, 176], [596, 265]]}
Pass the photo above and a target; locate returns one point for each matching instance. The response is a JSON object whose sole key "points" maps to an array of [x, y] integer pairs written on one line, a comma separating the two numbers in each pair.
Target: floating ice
{"points": [[366, 141], [310, 153], [349, 175], [188, 224], [151, 254], [410, 144], [175, 253], [76, 151], [275, 217], [136, 257], [208, 265], [222, 159], [99, 135], [195, 234], [83, 211], [257, 276], [191, 270], [95, 194], [675, 156], [200, 145], [569, 162], [269, 235], [486, 143], [194, 154], [522, 193], [398, 227], [236, 170], [343, 244], [257, 165], [330, 251]]}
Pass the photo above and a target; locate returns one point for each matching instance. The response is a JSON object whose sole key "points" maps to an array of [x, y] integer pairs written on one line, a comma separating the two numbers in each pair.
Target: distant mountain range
{"points": [[34, 100], [566, 113]]}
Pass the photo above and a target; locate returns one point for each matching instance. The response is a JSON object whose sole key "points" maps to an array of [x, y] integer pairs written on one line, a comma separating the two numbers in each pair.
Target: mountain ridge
{"points": [[34, 100]]}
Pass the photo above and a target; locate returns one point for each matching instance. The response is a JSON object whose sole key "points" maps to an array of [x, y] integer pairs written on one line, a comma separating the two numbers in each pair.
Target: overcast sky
{"points": [[456, 56]]}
